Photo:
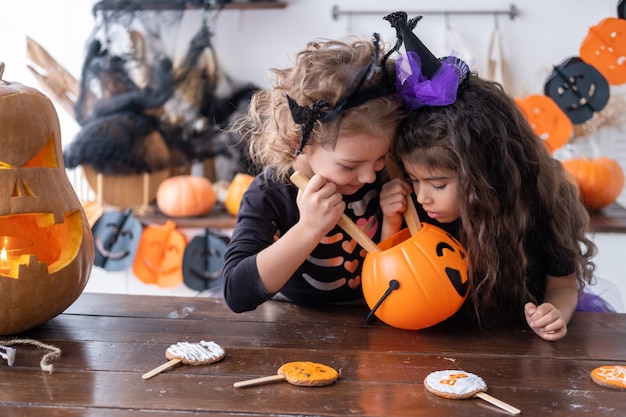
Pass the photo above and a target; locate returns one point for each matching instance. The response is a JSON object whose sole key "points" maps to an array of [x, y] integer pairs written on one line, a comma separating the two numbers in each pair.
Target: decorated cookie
{"points": [[457, 385], [304, 374], [201, 353], [308, 374], [611, 376], [454, 384]]}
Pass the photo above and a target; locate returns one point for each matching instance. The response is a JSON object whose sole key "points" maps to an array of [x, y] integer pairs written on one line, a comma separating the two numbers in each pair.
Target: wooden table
{"points": [[110, 341]]}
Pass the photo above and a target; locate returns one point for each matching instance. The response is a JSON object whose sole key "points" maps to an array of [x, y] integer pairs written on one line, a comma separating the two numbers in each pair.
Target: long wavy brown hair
{"points": [[509, 188], [323, 70]]}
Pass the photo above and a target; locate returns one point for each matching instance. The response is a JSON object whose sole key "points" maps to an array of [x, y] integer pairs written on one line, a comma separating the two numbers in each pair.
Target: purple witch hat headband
{"points": [[421, 78]]}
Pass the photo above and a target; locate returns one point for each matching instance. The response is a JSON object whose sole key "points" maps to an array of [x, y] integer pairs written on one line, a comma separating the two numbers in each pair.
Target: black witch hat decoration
{"points": [[322, 111]]}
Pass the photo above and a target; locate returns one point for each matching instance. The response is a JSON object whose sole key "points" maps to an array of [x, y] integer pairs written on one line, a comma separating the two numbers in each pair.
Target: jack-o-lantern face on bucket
{"points": [[431, 271], [47, 247]]}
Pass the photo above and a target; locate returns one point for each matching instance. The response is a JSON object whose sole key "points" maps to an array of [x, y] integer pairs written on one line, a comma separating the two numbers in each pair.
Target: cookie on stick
{"points": [[202, 353], [457, 384], [610, 376], [304, 374]]}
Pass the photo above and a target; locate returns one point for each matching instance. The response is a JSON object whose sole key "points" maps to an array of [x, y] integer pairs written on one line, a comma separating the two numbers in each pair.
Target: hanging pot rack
{"points": [[512, 12]]}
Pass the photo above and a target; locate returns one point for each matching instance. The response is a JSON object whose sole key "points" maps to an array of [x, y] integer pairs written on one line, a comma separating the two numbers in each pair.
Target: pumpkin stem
{"points": [[1, 69]]}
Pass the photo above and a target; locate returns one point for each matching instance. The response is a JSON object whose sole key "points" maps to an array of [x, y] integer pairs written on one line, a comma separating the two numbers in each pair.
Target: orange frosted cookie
{"points": [[308, 374], [611, 376], [304, 374]]}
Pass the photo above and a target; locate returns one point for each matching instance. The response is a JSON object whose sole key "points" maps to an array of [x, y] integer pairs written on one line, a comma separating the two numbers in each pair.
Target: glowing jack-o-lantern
{"points": [[430, 271], [46, 245]]}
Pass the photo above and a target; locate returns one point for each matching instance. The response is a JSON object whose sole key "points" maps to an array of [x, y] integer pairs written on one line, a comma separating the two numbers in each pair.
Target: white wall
{"points": [[250, 42]]}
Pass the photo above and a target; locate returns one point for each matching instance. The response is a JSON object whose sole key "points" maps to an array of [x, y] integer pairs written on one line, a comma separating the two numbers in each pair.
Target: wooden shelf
{"points": [[187, 5], [217, 218], [611, 219]]}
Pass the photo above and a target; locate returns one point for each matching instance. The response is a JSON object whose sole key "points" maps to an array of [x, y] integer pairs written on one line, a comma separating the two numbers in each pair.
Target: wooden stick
{"points": [[498, 403], [410, 214], [300, 180], [161, 368], [259, 381]]}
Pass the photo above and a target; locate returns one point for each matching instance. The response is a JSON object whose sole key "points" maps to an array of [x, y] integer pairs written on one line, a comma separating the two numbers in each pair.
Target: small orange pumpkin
{"points": [[237, 187], [185, 196], [431, 270], [600, 180]]}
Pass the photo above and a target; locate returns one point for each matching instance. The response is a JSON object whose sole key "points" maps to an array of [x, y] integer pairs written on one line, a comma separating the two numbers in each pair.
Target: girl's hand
{"points": [[546, 320], [320, 205], [393, 205]]}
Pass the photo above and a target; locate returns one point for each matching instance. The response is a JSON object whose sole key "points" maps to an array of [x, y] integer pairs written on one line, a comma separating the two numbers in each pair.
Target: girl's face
{"points": [[436, 191], [352, 164]]}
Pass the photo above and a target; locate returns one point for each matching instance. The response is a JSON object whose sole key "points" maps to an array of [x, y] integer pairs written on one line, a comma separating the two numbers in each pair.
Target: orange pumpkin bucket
{"points": [[410, 281], [430, 271]]}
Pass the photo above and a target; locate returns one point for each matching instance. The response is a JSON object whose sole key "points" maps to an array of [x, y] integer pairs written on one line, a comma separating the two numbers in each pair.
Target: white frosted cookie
{"points": [[612, 376], [195, 353], [455, 384]]}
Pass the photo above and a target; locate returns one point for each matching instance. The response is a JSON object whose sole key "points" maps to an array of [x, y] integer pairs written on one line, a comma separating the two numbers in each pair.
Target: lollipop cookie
{"points": [[202, 353], [457, 384], [304, 374], [612, 376]]}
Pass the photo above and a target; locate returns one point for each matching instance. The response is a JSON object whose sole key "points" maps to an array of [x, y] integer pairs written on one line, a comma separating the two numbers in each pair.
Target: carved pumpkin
{"points": [[237, 187], [547, 120], [42, 222], [431, 270], [600, 180], [185, 196]]}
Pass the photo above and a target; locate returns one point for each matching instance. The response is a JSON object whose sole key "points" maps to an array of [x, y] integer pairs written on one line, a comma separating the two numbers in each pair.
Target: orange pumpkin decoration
{"points": [[431, 271], [46, 246], [547, 120], [159, 258], [600, 180], [237, 187], [605, 48], [185, 196]]}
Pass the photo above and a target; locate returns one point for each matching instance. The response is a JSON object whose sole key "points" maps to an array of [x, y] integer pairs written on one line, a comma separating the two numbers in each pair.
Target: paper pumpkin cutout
{"points": [[578, 89], [160, 255], [605, 49], [547, 120], [116, 237], [431, 271], [203, 261]]}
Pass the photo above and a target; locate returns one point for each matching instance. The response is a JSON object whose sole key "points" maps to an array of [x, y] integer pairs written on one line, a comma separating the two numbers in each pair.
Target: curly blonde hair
{"points": [[322, 71]]}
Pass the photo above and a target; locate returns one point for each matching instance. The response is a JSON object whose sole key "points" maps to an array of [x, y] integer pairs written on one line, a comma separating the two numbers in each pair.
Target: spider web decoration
{"points": [[147, 102]]}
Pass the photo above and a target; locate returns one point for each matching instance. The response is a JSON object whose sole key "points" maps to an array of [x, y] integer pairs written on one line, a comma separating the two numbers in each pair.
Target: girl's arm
{"points": [[549, 320], [320, 207]]}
